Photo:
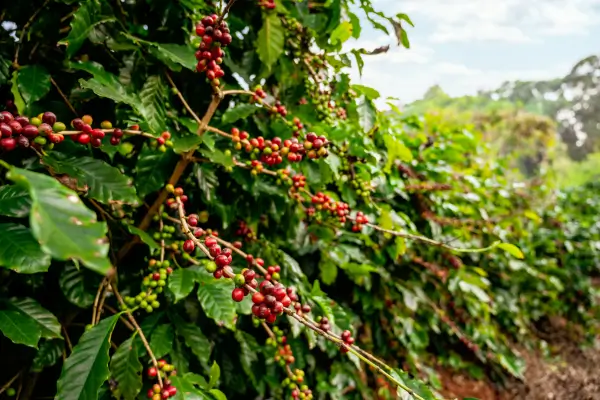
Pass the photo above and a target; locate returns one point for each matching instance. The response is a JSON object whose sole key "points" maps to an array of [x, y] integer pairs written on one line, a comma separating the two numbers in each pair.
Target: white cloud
{"points": [[505, 20]]}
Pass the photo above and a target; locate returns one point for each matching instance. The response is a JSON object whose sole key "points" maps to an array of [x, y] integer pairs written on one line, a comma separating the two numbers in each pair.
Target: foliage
{"points": [[390, 234]]}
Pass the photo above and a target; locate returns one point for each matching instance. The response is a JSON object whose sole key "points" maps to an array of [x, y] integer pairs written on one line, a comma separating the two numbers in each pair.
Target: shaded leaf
{"points": [[270, 40], [152, 106], [174, 55], [207, 181], [64, 227], [49, 325], [193, 338], [153, 170], [104, 182], [76, 287], [86, 369], [182, 282], [367, 115], [215, 298], [145, 237], [161, 341], [215, 374], [19, 328], [14, 201], [20, 251], [33, 82], [87, 16], [126, 369], [50, 351], [241, 111]]}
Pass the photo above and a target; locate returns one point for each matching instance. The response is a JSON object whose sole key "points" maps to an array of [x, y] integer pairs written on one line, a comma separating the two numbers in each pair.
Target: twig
{"points": [[25, 27], [67, 339], [10, 382], [99, 293], [123, 320], [185, 103], [138, 329], [225, 11], [63, 96]]}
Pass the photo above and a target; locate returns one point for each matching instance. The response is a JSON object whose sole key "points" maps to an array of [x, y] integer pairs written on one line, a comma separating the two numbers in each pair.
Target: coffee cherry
{"points": [[237, 294], [87, 119], [49, 118], [8, 144], [152, 372], [189, 246]]}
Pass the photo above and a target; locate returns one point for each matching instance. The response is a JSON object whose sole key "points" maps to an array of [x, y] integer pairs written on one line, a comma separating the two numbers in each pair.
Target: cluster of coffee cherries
{"points": [[323, 202], [259, 95], [271, 299], [177, 192], [245, 231], [243, 281], [20, 131], [210, 51], [168, 390], [359, 221], [268, 4], [279, 108], [348, 341], [299, 391], [324, 324]]}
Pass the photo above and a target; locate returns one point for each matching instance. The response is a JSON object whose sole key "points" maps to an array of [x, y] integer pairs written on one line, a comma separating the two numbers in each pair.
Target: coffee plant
{"points": [[196, 202]]}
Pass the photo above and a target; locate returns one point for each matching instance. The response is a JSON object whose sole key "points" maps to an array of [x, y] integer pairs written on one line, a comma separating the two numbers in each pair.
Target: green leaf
{"points": [[356, 28], [396, 150], [194, 338], [359, 60], [14, 89], [104, 182], [49, 325], [181, 282], [174, 55], [367, 115], [219, 157], [126, 369], [248, 354], [84, 20], [19, 328], [76, 287], [86, 369], [145, 237], [63, 226], [341, 33], [404, 17], [369, 92], [20, 251], [152, 170], [33, 82], [113, 90], [186, 143], [14, 201], [215, 297], [241, 111], [152, 106], [161, 341], [416, 386], [271, 39], [215, 373], [50, 351], [512, 250], [329, 272]]}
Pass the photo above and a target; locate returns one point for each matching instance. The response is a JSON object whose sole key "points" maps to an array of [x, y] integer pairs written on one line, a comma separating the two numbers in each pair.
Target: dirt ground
{"points": [[572, 373]]}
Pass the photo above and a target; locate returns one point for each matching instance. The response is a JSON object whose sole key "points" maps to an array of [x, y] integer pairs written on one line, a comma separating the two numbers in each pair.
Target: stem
{"points": [[101, 290], [67, 339], [138, 329], [63, 96], [185, 103], [10, 382], [225, 11]]}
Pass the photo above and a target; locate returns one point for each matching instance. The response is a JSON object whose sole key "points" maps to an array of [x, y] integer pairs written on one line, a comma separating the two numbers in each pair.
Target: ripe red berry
{"points": [[96, 142], [84, 138], [172, 391], [77, 123], [8, 144], [237, 294], [49, 118], [189, 246], [152, 372], [258, 298]]}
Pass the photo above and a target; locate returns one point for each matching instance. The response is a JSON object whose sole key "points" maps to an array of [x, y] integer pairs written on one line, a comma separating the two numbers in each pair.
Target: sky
{"points": [[468, 45]]}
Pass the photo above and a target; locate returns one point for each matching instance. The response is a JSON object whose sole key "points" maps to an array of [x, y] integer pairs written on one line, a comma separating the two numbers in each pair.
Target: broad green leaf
{"points": [[341, 33], [367, 115], [20, 251], [87, 16], [207, 181], [64, 227], [113, 90], [329, 272], [404, 17], [215, 374], [152, 106], [360, 63], [179, 357], [14, 90], [396, 150], [86, 369], [181, 282], [77, 287], [248, 354], [153, 170], [219, 157], [369, 92], [20, 328], [174, 55], [512, 250], [14, 201], [186, 143], [126, 369], [49, 325], [514, 365], [241, 111], [194, 338], [413, 385], [145, 237], [50, 351], [271, 39], [33, 82], [161, 341], [215, 297], [103, 182], [356, 28]]}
